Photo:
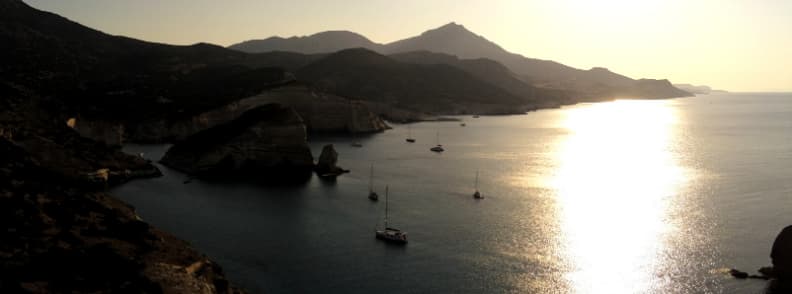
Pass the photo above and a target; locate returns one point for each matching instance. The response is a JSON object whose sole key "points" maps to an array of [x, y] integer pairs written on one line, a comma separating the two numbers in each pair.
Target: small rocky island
{"points": [[266, 142]]}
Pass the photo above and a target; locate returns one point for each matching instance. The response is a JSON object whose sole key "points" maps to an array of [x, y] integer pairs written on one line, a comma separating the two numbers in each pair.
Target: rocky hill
{"points": [[84, 71], [324, 42], [454, 39], [367, 75]]}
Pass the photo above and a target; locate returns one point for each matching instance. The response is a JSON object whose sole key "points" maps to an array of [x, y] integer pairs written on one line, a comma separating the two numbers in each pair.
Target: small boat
{"points": [[389, 234], [372, 195], [357, 144], [476, 116], [409, 139], [438, 148], [463, 124], [477, 194]]}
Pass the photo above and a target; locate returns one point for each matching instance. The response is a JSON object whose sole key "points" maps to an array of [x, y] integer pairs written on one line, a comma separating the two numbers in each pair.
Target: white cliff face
{"points": [[320, 112], [267, 140]]}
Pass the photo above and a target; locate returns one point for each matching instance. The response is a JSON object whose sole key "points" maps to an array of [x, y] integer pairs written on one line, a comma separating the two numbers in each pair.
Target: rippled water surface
{"points": [[617, 197]]}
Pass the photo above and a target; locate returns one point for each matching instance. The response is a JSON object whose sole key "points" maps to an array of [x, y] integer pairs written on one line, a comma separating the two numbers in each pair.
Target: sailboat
{"points": [[389, 234], [477, 194], [372, 195], [409, 139], [438, 148]]}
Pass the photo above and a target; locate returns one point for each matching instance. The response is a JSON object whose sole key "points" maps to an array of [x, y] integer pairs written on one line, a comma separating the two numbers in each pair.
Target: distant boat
{"points": [[477, 194], [389, 234], [372, 195], [409, 139], [476, 116], [357, 144], [438, 148], [463, 124]]}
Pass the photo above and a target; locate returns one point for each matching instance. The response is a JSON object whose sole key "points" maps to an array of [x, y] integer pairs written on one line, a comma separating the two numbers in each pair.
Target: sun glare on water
{"points": [[615, 179]]}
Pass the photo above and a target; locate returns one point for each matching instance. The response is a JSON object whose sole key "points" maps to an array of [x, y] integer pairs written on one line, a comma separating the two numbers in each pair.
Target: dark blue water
{"points": [[616, 197]]}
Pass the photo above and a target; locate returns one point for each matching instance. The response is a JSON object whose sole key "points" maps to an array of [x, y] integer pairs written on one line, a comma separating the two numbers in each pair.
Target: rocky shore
{"points": [[60, 233], [779, 275], [59, 237]]}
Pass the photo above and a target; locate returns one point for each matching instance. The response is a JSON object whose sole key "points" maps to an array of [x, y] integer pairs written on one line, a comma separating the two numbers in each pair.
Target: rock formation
{"points": [[321, 113], [265, 142], [58, 237], [326, 166], [781, 254]]}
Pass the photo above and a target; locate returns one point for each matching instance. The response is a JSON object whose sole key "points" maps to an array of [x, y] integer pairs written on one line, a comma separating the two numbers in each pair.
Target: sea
{"points": [[626, 196]]}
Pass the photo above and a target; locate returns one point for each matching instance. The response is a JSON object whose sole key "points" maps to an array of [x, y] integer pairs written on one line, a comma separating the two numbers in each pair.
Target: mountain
{"points": [[324, 42], [367, 75], [87, 72], [694, 89], [585, 85], [593, 84], [489, 71]]}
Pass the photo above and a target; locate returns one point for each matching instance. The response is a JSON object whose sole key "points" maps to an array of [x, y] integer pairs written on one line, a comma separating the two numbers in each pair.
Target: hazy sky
{"points": [[739, 45]]}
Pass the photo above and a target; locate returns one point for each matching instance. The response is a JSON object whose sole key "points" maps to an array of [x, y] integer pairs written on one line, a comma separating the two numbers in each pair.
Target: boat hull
{"points": [[394, 237]]}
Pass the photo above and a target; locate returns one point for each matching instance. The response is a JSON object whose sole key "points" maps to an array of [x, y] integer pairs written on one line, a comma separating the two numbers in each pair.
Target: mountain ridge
{"points": [[597, 83]]}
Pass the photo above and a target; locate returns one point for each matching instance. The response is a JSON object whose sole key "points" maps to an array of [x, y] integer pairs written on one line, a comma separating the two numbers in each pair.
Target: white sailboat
{"points": [[372, 195], [438, 148], [389, 234], [410, 138]]}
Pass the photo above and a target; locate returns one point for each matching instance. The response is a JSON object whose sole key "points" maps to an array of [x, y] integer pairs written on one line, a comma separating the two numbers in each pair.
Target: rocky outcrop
{"points": [[56, 237], [112, 134], [781, 254], [266, 142], [321, 113], [57, 148], [657, 89], [780, 274], [693, 88], [327, 163]]}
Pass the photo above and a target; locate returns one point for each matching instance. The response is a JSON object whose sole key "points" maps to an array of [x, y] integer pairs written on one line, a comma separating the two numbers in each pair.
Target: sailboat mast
{"points": [[371, 179], [386, 206], [477, 174]]}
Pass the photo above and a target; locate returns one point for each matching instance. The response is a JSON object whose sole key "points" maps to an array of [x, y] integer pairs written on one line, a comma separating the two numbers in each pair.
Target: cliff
{"points": [[266, 142], [56, 237], [321, 113]]}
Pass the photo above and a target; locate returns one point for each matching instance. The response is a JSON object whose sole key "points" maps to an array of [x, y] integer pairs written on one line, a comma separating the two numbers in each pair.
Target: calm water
{"points": [[617, 197]]}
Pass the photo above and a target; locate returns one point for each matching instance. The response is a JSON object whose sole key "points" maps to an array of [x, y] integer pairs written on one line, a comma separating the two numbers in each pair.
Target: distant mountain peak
{"points": [[599, 69], [322, 42], [450, 28]]}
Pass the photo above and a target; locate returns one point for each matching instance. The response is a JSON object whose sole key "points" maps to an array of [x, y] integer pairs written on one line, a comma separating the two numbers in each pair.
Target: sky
{"points": [[737, 45]]}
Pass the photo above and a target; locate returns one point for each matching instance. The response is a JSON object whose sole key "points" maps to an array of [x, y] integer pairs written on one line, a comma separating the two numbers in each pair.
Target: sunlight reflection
{"points": [[616, 176]]}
